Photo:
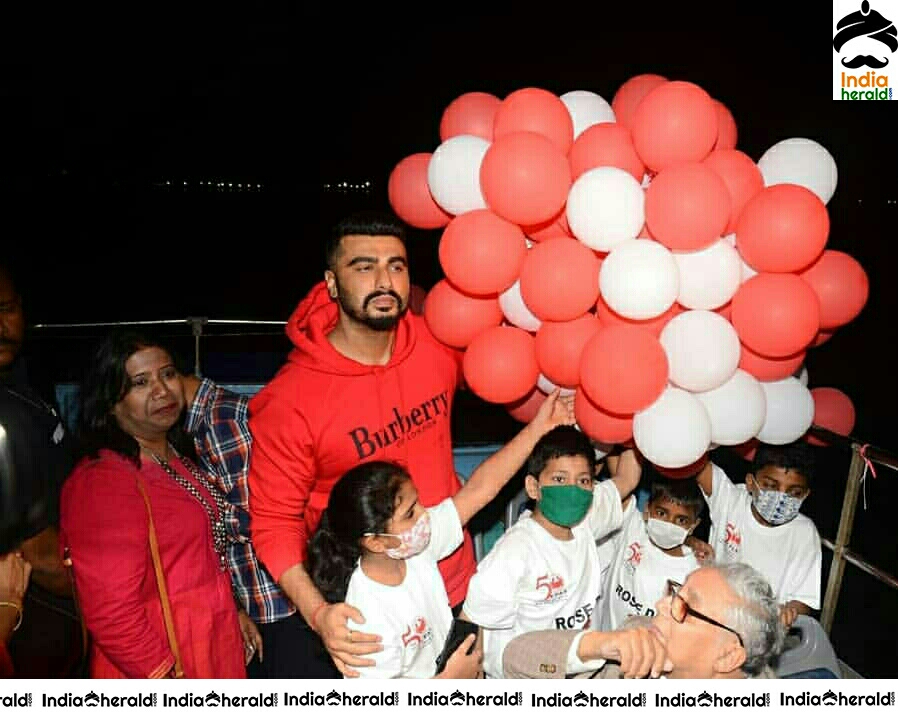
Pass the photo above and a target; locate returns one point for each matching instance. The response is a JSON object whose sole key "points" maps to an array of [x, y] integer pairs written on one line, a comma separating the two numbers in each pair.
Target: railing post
{"points": [[843, 536], [196, 323]]}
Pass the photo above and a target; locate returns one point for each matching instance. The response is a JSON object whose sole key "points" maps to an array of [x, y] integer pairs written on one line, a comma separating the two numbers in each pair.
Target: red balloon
{"points": [[555, 227], [655, 325], [559, 347], [768, 369], [687, 207], [776, 314], [682, 473], [726, 128], [726, 311], [409, 194], [741, 176], [560, 279], [833, 410], [600, 425], [500, 364], [481, 253], [841, 286], [455, 318], [525, 178], [822, 337], [525, 410], [630, 94], [747, 449], [783, 228], [537, 111], [470, 114], [676, 122], [605, 145], [623, 369]]}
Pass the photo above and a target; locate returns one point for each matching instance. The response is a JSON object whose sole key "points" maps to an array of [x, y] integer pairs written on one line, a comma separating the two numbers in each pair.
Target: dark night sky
{"points": [[95, 115]]}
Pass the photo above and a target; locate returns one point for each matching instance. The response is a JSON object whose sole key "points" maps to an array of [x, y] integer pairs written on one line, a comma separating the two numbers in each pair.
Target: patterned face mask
{"points": [[412, 541], [776, 507]]}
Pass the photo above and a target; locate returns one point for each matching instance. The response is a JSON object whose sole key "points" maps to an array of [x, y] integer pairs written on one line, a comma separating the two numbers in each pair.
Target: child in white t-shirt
{"points": [[758, 523], [649, 550], [377, 549], [544, 572]]}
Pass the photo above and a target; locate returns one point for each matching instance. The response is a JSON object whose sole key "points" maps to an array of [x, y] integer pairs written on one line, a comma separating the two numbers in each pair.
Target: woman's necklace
{"points": [[219, 534]]}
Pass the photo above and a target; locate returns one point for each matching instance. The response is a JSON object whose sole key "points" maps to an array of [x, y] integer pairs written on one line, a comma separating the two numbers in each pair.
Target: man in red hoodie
{"points": [[366, 381]]}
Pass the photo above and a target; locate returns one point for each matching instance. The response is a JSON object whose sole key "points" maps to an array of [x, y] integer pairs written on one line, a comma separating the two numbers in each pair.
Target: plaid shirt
{"points": [[217, 421]]}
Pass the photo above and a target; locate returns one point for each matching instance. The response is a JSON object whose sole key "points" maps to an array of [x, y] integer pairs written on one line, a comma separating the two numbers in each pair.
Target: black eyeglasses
{"points": [[679, 609]]}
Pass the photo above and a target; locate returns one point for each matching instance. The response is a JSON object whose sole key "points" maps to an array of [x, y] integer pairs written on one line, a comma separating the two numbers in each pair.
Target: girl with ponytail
{"points": [[377, 549]]}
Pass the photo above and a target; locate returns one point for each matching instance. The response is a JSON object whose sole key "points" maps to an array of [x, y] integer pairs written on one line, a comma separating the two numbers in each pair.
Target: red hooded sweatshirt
{"points": [[323, 414]]}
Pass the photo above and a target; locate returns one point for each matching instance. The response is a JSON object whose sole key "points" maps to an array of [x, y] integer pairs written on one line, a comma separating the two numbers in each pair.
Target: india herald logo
{"points": [[865, 25]]}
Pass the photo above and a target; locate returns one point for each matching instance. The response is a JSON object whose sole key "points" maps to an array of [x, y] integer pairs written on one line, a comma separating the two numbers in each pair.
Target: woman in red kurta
{"points": [[131, 405]]}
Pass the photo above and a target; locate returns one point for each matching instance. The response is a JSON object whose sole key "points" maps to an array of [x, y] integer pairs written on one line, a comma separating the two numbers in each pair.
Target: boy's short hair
{"points": [[563, 441], [797, 456], [682, 492]]}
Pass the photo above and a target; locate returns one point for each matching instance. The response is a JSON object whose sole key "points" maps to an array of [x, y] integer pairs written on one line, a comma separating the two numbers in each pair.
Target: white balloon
{"points": [[453, 174], [737, 409], [605, 206], [790, 411], [587, 109], [802, 375], [674, 431], [800, 161], [548, 387], [516, 311], [709, 277], [747, 272], [639, 279], [702, 350]]}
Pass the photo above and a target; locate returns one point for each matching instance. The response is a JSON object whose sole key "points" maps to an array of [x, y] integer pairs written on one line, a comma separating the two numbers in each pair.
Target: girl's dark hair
{"points": [[105, 384], [362, 501]]}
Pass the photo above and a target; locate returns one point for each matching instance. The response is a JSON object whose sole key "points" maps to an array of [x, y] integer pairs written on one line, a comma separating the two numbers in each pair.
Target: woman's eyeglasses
{"points": [[679, 609]]}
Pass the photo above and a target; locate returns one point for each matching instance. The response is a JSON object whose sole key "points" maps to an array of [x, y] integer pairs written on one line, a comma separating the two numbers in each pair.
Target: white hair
{"points": [[756, 618]]}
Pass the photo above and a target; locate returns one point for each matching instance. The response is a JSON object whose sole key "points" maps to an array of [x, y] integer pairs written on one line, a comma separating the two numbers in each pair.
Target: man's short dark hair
{"points": [[362, 223], [797, 456], [563, 441], [682, 492]]}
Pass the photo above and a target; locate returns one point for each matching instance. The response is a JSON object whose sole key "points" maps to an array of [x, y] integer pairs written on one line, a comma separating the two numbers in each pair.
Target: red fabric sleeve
{"points": [[104, 525], [281, 477]]}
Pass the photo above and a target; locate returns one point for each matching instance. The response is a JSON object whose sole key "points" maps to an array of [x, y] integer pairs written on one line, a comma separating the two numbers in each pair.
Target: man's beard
{"points": [[380, 323]]}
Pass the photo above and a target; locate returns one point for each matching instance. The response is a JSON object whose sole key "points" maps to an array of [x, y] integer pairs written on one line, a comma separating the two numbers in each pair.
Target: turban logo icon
{"points": [[865, 23]]}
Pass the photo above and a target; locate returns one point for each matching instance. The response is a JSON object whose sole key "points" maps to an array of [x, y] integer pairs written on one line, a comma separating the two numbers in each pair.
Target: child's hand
{"points": [[703, 552], [788, 614], [462, 666], [555, 411]]}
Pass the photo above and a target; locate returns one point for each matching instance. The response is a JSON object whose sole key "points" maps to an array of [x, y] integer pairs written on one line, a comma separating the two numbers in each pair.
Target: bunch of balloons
{"points": [[628, 253]]}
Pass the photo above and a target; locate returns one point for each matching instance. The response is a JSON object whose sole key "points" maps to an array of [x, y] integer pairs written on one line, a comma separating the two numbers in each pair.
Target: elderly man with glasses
{"points": [[723, 622]]}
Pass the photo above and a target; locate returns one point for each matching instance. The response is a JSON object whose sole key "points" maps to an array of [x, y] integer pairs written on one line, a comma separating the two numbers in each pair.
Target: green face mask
{"points": [[564, 505]]}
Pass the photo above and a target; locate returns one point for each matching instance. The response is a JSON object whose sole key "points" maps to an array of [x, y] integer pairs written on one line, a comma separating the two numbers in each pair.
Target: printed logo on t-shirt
{"points": [[732, 540], [553, 585], [578, 620], [418, 632], [629, 597], [401, 427], [634, 557]]}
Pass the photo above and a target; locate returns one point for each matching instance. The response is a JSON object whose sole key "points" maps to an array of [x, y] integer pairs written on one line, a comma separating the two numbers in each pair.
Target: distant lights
{"points": [[219, 185], [346, 186]]}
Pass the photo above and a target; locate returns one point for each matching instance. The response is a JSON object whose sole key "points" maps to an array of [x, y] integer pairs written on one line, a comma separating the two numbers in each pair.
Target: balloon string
{"points": [[868, 465]]}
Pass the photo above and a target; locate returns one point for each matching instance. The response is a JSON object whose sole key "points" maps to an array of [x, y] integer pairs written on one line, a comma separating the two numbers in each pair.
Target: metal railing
{"points": [[862, 454]]}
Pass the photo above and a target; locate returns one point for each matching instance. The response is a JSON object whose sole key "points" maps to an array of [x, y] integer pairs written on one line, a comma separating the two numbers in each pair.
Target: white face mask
{"points": [[412, 541], [664, 534]]}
